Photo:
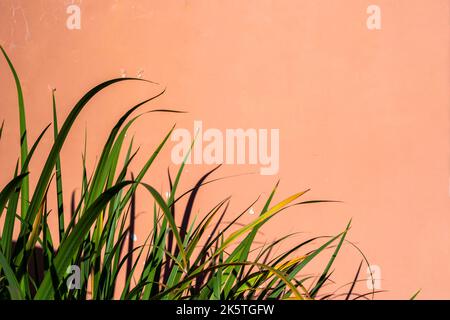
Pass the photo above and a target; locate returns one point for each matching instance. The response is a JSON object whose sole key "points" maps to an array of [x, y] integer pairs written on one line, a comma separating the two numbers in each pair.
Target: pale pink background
{"points": [[363, 115]]}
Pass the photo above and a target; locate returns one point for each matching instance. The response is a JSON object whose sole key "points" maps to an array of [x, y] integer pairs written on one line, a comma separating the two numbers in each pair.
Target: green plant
{"points": [[208, 259]]}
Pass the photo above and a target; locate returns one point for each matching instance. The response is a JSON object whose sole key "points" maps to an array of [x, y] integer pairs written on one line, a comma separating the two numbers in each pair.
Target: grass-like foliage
{"points": [[203, 257]]}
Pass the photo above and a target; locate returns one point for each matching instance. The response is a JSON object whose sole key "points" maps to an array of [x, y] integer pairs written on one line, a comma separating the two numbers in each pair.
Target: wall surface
{"points": [[363, 115]]}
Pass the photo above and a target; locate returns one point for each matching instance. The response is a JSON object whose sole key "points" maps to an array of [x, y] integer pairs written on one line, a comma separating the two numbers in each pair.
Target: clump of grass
{"points": [[205, 259]]}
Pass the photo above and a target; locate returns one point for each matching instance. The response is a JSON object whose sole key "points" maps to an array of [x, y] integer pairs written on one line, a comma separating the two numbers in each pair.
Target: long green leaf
{"points": [[13, 287], [8, 226], [9, 189], [261, 219], [162, 204], [23, 134], [324, 275], [59, 185], [72, 243], [54, 153]]}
